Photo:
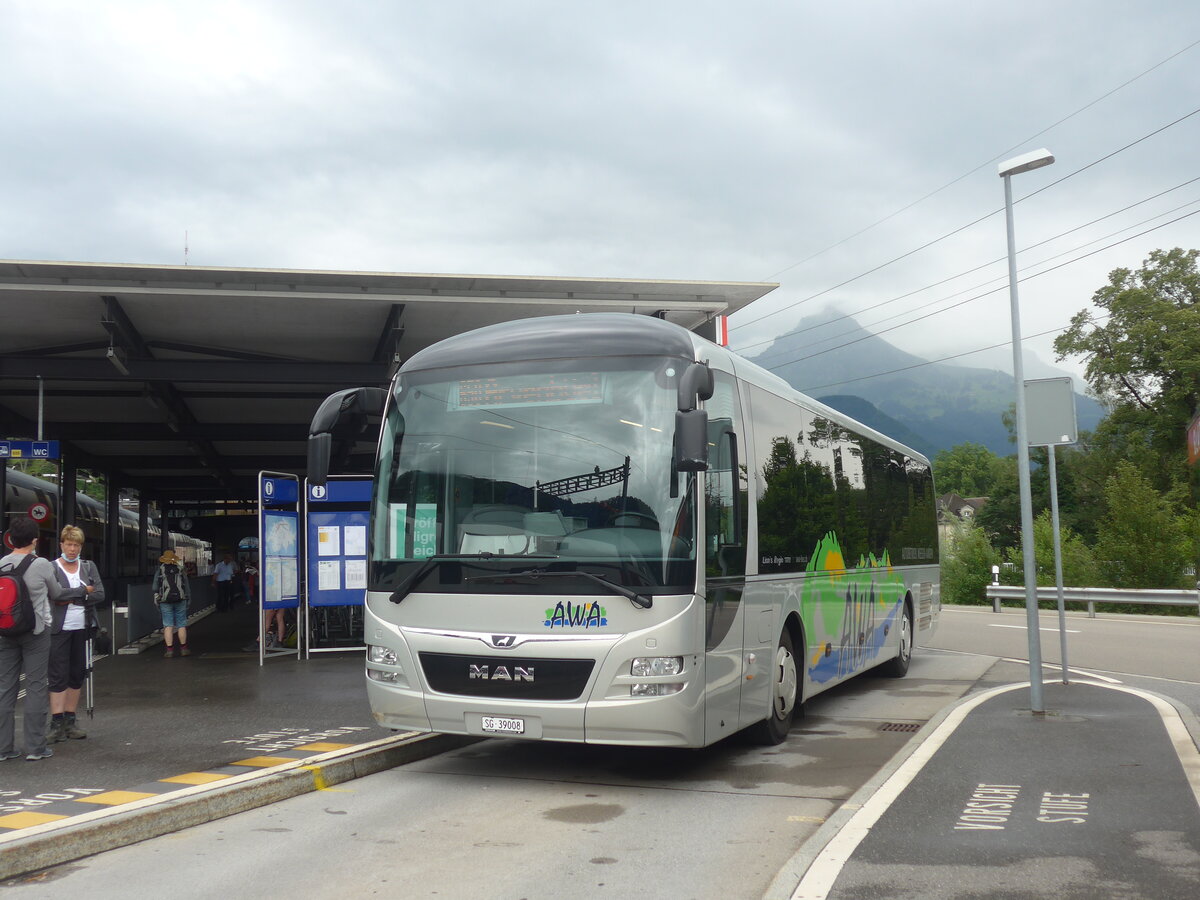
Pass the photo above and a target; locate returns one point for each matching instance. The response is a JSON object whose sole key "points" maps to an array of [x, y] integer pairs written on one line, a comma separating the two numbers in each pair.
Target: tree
{"points": [[969, 470], [1144, 361], [1144, 542], [1078, 563], [967, 561]]}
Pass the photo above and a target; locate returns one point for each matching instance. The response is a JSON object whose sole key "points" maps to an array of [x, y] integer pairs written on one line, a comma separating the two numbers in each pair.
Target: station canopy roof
{"points": [[184, 382]]}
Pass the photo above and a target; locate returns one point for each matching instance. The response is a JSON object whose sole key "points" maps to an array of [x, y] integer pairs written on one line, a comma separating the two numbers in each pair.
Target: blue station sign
{"points": [[29, 450]]}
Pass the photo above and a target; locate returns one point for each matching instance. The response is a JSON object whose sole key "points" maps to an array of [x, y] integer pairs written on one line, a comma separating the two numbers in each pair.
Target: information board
{"points": [[279, 541], [337, 515]]}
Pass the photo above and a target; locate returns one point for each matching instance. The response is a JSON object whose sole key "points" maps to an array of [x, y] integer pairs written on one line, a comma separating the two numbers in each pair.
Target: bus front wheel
{"points": [[785, 695]]}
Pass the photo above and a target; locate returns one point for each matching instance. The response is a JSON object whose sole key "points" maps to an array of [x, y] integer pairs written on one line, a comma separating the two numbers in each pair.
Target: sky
{"points": [[847, 151]]}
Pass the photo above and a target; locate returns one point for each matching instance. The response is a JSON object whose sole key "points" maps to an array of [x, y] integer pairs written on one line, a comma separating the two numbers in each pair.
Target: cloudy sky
{"points": [[841, 149]]}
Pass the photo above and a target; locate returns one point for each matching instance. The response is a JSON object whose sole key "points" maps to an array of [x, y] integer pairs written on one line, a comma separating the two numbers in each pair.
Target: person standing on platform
{"points": [[74, 622], [172, 594], [30, 651], [223, 575]]}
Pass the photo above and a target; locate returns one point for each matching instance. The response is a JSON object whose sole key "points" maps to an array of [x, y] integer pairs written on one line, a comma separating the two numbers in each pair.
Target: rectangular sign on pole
{"points": [[1050, 412]]}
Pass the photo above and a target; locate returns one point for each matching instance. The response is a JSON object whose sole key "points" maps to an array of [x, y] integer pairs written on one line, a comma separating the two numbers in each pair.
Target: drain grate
{"points": [[900, 726]]}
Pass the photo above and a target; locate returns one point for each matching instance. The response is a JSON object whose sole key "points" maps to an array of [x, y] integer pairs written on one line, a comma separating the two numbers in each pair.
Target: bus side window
{"points": [[725, 516]]}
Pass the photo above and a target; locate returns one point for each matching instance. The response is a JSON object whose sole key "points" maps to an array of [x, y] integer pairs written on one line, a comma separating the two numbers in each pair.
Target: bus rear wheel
{"points": [[785, 695]]}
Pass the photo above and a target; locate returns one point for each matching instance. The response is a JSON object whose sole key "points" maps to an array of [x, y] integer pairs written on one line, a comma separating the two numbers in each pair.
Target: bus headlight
{"points": [[382, 655], [656, 665], [385, 677]]}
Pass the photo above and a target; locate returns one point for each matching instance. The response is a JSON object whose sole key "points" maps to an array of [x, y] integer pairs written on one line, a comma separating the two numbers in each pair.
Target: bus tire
{"points": [[785, 695], [897, 667]]}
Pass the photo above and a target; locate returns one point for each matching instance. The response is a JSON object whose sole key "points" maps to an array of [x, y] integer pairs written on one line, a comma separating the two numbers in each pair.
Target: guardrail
{"points": [[1092, 596]]}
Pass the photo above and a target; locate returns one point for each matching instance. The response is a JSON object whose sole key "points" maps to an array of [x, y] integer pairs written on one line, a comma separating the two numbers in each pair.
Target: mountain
{"points": [[929, 406]]}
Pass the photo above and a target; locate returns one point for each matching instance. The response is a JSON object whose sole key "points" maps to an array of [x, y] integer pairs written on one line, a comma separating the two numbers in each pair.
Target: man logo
{"points": [[501, 641], [499, 673]]}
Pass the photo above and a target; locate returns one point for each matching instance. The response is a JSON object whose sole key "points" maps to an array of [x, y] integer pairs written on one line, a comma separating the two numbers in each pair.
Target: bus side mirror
{"points": [[318, 457], [695, 384], [351, 406], [691, 440]]}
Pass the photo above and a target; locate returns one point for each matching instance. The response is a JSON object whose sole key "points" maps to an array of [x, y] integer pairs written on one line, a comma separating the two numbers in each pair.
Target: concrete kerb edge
{"points": [[783, 886], [92, 833]]}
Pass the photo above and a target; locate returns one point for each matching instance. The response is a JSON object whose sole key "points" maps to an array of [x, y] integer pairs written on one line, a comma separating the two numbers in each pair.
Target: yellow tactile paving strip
{"points": [[28, 819], [195, 778], [114, 798], [60, 808]]}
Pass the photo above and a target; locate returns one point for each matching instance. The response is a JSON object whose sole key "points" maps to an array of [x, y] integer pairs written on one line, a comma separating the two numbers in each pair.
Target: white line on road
{"points": [[819, 880], [1022, 627], [1057, 667]]}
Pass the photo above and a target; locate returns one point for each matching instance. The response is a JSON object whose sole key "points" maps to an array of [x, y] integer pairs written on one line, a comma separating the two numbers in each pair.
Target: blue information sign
{"points": [[280, 491], [338, 515], [29, 450]]}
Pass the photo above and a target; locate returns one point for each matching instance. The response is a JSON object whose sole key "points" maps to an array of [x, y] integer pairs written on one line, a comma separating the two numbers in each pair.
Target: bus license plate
{"points": [[500, 725]]}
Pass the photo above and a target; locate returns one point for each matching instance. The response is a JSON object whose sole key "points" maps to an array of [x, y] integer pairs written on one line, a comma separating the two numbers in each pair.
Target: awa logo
{"points": [[576, 615]]}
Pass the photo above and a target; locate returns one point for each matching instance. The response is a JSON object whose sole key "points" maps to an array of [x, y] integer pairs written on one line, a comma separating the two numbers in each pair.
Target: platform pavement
{"points": [[197, 728], [1097, 797]]}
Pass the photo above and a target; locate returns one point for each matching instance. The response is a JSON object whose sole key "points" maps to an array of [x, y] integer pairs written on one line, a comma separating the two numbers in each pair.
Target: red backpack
{"points": [[16, 606]]}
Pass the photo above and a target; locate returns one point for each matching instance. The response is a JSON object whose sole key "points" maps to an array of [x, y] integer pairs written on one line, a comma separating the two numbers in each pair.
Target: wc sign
{"points": [[29, 450]]}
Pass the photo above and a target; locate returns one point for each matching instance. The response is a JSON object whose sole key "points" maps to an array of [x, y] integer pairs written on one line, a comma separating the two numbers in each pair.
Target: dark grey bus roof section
{"points": [[558, 337], [185, 381]]}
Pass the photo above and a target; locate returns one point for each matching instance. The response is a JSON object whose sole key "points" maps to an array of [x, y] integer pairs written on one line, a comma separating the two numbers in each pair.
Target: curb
{"points": [[43, 846]]}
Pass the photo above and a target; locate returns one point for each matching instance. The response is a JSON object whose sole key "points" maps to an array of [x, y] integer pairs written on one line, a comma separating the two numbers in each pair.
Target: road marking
{"points": [[1057, 667], [114, 798], [1022, 627], [195, 778], [28, 819], [819, 880], [264, 762]]}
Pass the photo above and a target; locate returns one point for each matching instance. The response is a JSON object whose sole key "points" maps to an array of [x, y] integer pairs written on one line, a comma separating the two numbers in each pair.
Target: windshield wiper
{"points": [[633, 597], [431, 562]]}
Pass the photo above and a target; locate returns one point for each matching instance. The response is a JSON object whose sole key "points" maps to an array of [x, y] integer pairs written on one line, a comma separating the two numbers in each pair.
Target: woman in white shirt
{"points": [[72, 626]]}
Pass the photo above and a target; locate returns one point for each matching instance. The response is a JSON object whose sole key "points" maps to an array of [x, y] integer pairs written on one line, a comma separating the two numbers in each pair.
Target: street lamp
{"points": [[1024, 163]]}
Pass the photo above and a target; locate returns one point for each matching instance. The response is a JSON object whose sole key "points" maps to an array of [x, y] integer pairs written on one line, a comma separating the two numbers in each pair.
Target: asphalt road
{"points": [[513, 819], [1158, 653]]}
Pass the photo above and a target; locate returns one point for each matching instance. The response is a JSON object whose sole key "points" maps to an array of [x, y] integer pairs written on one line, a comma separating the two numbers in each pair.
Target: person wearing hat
{"points": [[172, 594]]}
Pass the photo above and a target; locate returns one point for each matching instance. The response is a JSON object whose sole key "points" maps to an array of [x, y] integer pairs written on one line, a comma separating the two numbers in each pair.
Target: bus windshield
{"points": [[559, 466]]}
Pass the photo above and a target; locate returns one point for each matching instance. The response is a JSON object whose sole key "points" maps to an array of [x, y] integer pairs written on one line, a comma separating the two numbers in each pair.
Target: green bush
{"points": [[967, 560]]}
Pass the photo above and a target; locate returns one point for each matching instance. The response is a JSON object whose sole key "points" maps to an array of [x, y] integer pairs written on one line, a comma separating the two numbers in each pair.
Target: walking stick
{"points": [[89, 695]]}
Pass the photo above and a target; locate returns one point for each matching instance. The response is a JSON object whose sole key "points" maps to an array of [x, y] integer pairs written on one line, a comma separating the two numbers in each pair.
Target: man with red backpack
{"points": [[28, 650]]}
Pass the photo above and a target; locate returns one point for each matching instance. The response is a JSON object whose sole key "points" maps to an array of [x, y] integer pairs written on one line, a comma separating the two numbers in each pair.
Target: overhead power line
{"points": [[930, 362], [970, 224], [1003, 278], [985, 293], [1000, 156], [742, 348]]}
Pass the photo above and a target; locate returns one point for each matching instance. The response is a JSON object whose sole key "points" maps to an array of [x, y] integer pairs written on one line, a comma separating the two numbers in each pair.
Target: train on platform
{"points": [[27, 494]]}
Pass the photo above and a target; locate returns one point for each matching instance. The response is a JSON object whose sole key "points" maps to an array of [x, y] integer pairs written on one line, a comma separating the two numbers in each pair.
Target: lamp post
{"points": [[1016, 166]]}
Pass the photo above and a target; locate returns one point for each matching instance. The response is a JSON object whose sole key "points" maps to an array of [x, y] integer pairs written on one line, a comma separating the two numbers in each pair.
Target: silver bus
{"points": [[606, 529]]}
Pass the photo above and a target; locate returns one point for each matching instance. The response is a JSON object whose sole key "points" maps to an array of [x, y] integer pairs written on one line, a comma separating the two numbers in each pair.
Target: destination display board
{"points": [[528, 390]]}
